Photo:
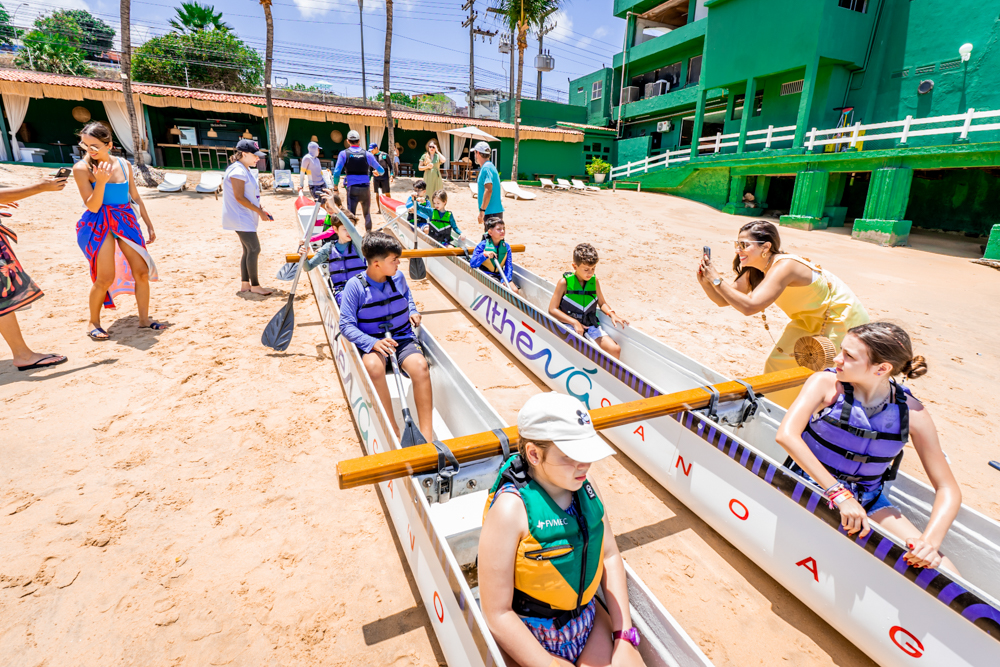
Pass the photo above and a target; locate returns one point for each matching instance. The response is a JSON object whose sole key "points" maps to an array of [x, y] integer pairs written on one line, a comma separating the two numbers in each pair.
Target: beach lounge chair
{"points": [[514, 190], [547, 183], [563, 184], [211, 183], [283, 179], [173, 182], [475, 190], [294, 164], [580, 185]]}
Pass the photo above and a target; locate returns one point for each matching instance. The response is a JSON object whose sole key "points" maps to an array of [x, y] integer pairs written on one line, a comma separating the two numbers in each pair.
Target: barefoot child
{"points": [[442, 223], [339, 253], [546, 544], [493, 254], [379, 300], [577, 298]]}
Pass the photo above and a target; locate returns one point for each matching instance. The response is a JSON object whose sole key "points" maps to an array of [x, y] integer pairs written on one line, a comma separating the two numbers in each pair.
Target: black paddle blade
{"points": [[418, 271], [411, 434], [278, 332]]}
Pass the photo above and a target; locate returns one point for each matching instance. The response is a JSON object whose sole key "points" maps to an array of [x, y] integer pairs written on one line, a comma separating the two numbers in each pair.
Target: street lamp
{"points": [[31, 62], [965, 51], [364, 87]]}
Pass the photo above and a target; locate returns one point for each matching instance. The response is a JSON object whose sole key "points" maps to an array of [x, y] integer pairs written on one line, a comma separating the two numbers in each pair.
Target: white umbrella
{"points": [[473, 133]]}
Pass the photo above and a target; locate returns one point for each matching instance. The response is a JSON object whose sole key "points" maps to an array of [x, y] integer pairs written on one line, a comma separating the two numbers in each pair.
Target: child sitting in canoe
{"points": [[847, 428], [419, 208], [442, 226], [578, 297], [339, 253], [492, 255], [546, 544], [378, 301]]}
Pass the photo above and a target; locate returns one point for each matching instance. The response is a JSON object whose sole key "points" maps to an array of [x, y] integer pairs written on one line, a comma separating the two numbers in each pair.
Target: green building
{"points": [[860, 110]]}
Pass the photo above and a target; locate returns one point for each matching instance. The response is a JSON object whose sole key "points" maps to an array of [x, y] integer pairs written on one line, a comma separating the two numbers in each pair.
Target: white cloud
{"points": [[311, 8], [600, 32]]}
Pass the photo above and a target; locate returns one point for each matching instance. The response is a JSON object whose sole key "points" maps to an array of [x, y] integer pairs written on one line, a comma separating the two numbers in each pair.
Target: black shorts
{"points": [[317, 190], [381, 185], [404, 349]]}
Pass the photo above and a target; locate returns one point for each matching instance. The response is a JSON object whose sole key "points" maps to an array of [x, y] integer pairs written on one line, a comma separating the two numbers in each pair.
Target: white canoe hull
{"points": [[427, 531], [745, 494]]}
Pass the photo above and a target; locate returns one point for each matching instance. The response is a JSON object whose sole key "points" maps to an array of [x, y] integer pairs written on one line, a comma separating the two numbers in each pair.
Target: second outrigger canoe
{"points": [[437, 517], [723, 463]]}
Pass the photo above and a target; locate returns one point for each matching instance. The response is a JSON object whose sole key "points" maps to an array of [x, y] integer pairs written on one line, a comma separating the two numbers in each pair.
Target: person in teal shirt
{"points": [[490, 196]]}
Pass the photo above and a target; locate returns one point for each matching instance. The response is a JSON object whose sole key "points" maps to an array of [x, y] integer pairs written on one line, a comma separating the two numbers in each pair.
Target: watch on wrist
{"points": [[631, 636], [717, 282]]}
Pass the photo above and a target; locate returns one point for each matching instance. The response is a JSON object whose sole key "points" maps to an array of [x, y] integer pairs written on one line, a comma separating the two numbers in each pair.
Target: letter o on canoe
{"points": [[739, 510], [438, 607], [909, 645]]}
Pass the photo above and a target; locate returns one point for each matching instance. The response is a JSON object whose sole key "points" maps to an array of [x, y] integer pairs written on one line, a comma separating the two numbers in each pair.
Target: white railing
{"points": [[849, 137]]}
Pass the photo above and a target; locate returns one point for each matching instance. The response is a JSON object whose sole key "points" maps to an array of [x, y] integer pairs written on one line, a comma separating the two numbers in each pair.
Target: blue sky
{"points": [[319, 40]]}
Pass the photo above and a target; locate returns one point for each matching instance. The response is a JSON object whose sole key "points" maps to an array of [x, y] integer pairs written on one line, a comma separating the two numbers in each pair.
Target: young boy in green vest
{"points": [[493, 255], [578, 297]]}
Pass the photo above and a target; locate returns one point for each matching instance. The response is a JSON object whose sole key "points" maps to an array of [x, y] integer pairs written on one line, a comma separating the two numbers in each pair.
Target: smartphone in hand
{"points": [[707, 252], [63, 172]]}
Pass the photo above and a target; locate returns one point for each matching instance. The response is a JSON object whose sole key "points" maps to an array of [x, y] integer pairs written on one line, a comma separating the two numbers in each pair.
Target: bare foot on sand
{"points": [[257, 289]]}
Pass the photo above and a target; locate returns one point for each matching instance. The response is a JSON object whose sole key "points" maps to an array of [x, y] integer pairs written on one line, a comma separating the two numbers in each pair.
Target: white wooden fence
{"points": [[850, 137]]}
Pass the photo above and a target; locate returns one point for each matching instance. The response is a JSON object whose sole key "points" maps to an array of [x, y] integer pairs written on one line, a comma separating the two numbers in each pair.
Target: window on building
{"points": [[854, 5], [579, 89], [738, 107], [758, 103], [694, 70], [671, 73], [596, 90], [597, 147], [740, 101]]}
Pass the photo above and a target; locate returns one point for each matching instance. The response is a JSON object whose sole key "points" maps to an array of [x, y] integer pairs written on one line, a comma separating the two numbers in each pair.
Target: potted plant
{"points": [[598, 169]]}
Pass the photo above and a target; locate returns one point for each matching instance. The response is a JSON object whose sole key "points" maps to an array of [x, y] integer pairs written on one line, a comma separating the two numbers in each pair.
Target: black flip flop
{"points": [[156, 326], [39, 364], [98, 338]]}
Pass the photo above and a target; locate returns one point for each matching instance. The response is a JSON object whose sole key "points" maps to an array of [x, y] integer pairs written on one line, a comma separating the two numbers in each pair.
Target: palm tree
{"points": [[126, 69], [385, 84], [519, 16], [196, 17], [268, 61]]}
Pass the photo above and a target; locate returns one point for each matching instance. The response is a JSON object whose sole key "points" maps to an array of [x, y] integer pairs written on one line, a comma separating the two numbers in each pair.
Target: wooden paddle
{"points": [[278, 332], [423, 252], [423, 458]]}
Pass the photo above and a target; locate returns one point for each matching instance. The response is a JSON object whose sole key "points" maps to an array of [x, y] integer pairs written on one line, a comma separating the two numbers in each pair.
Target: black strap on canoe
{"points": [[445, 458], [750, 403], [713, 403], [504, 442]]}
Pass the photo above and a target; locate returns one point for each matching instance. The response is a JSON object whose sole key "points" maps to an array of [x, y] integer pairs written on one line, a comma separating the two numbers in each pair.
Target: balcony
{"points": [[663, 43], [676, 99], [635, 6]]}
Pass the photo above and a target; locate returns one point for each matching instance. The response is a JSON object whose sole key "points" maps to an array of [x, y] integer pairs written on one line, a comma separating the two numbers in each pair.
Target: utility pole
{"points": [[364, 86], [544, 30], [470, 23]]}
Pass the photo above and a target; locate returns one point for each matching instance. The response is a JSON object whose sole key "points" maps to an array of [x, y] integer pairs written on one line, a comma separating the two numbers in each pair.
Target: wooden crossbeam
{"points": [[421, 459]]}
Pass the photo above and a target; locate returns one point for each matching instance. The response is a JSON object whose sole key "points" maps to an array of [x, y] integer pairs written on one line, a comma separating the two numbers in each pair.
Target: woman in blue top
{"points": [[118, 268]]}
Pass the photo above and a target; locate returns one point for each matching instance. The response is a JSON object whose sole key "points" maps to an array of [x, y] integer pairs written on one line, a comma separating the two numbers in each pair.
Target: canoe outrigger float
{"points": [[723, 463], [437, 517]]}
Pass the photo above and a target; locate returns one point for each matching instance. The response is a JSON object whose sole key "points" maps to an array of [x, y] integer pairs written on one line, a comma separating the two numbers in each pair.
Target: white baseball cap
{"points": [[482, 147], [353, 136], [565, 422]]}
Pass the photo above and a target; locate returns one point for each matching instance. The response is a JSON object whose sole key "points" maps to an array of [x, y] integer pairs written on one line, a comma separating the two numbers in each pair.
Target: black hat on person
{"points": [[249, 146]]}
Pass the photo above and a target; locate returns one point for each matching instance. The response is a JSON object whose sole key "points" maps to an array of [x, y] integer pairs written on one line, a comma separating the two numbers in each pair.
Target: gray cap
{"points": [[482, 147], [353, 136]]}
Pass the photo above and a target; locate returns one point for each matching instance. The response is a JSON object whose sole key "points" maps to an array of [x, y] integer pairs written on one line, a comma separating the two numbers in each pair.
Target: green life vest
{"points": [[440, 226], [580, 300], [502, 255], [559, 564]]}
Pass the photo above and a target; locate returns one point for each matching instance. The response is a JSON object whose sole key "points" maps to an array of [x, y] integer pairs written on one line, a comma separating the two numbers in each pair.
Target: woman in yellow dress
{"points": [[818, 302]]}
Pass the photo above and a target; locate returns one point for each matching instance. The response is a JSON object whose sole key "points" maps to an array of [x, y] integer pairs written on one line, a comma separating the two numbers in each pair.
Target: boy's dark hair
{"points": [[379, 245], [442, 195], [585, 254], [420, 185], [491, 222]]}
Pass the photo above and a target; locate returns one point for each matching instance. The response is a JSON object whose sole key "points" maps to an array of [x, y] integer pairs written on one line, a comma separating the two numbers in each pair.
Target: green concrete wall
{"points": [[598, 112], [961, 200], [708, 186], [542, 157], [542, 113]]}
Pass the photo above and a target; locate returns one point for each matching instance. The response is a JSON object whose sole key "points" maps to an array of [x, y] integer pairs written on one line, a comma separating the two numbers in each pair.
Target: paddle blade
{"points": [[418, 271], [278, 332], [287, 271], [411, 434]]}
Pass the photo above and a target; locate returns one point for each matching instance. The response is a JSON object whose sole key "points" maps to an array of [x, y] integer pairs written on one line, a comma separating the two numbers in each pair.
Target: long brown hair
{"points": [[762, 232], [543, 448], [889, 343], [98, 131]]}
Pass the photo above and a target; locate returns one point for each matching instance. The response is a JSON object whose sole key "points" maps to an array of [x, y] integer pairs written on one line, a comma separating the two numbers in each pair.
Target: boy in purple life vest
{"points": [[377, 301]]}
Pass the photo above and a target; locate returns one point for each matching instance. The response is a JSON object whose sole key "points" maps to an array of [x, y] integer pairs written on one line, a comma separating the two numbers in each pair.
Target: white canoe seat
{"points": [[580, 185], [475, 190], [283, 179], [563, 184], [173, 182], [514, 190], [211, 183]]}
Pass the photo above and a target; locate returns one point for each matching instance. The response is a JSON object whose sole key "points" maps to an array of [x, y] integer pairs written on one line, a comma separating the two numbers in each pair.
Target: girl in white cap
{"points": [[546, 545]]}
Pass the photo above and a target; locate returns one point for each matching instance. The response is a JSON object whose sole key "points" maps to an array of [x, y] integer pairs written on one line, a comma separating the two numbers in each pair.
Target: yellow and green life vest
{"points": [[559, 564], [580, 300], [503, 256]]}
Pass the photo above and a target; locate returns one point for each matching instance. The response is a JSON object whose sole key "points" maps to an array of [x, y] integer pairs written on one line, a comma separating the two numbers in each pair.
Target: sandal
{"points": [[40, 363], [156, 326], [94, 334]]}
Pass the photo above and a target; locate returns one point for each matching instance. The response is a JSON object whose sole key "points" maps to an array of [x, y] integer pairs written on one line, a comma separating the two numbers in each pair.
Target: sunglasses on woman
{"points": [[745, 245], [89, 148]]}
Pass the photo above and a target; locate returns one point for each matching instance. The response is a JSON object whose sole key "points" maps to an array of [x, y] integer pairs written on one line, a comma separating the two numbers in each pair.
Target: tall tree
{"points": [[213, 59], [268, 58], [98, 35], [519, 16], [7, 32], [196, 17], [387, 93], [141, 170]]}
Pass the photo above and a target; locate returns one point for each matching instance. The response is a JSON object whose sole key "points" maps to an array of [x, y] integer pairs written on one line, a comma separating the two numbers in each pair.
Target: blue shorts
{"points": [[593, 333], [872, 500]]}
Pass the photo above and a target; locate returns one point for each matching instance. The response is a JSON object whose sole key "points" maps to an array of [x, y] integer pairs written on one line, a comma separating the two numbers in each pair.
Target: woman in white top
{"points": [[241, 211]]}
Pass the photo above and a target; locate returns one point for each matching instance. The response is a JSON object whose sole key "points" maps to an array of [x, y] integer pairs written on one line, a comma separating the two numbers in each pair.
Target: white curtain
{"points": [[359, 127], [17, 109], [375, 134], [118, 117], [444, 144], [456, 151], [280, 130]]}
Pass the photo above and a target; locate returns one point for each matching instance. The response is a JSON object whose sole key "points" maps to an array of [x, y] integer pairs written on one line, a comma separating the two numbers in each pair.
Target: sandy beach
{"points": [[169, 497]]}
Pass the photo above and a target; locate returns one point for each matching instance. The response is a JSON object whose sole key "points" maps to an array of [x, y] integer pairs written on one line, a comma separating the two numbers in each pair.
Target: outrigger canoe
{"points": [[437, 517], [724, 464]]}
